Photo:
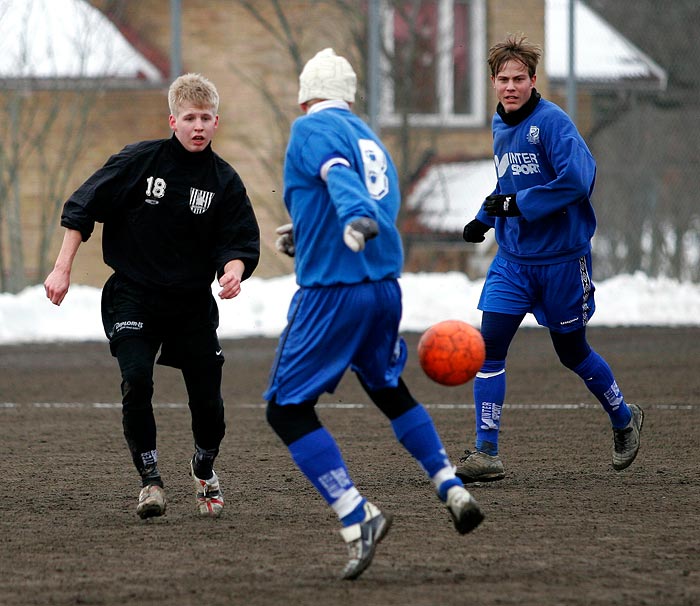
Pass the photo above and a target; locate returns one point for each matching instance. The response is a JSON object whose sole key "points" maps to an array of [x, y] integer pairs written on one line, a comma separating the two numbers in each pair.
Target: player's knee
{"points": [[137, 388], [571, 348], [293, 421], [492, 367], [392, 401]]}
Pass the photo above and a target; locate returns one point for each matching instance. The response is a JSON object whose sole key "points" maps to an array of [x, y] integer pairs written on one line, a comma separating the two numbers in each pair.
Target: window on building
{"points": [[434, 67]]}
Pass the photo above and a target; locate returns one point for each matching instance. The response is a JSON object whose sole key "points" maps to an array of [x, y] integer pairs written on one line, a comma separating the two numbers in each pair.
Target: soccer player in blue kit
{"points": [[341, 191], [544, 221]]}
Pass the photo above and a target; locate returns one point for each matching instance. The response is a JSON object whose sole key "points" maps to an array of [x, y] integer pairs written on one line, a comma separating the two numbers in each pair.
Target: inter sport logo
{"points": [[520, 163]]}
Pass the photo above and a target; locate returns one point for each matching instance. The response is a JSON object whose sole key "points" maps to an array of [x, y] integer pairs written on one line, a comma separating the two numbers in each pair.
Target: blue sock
{"points": [[415, 430], [599, 380], [489, 394], [356, 516], [318, 457]]}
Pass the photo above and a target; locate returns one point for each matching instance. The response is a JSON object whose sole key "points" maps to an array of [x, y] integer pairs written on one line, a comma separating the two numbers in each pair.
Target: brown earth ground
{"points": [[563, 528]]}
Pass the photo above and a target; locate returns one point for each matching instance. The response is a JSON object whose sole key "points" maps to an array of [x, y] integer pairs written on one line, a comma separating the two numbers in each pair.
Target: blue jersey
{"points": [[545, 161], [336, 170]]}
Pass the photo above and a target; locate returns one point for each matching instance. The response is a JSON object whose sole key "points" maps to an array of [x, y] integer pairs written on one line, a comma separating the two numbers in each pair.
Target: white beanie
{"points": [[327, 76]]}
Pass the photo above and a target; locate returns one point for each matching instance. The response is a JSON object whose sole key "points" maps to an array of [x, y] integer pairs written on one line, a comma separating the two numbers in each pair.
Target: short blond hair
{"points": [[514, 48], [192, 89]]}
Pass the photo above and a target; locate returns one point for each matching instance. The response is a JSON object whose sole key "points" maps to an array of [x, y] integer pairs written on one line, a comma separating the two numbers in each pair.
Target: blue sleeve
{"points": [[327, 155], [572, 166], [349, 194]]}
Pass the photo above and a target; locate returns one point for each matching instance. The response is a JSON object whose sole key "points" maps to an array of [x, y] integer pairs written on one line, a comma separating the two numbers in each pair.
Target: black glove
{"points": [[474, 231], [357, 233], [500, 205], [285, 242]]}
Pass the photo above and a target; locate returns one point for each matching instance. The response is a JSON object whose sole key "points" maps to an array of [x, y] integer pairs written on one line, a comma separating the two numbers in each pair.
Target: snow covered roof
{"points": [[603, 56], [65, 39], [72, 39], [449, 194]]}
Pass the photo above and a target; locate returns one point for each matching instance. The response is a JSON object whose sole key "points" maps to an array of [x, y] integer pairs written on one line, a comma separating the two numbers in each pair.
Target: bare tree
{"points": [[647, 152], [49, 110], [38, 118], [60, 167], [285, 27]]}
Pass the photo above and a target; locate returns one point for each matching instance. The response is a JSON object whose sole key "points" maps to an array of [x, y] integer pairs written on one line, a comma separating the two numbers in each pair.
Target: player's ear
{"points": [[172, 121]]}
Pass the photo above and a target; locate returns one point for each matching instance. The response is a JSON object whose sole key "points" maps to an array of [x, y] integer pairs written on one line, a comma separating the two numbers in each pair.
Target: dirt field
{"points": [[562, 529]]}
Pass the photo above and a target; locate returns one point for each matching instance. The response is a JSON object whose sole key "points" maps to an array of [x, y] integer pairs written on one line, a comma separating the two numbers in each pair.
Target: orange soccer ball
{"points": [[451, 352]]}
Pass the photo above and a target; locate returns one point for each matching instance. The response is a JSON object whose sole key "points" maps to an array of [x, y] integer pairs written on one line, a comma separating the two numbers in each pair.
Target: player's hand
{"points": [[474, 231], [56, 286], [357, 233], [230, 284], [285, 241], [501, 205]]}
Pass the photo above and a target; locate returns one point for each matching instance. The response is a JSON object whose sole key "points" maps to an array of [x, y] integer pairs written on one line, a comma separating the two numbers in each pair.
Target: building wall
{"points": [[257, 82], [108, 120]]}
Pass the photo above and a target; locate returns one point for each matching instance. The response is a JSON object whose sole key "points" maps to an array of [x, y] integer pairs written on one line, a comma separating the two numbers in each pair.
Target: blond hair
{"points": [[192, 89], [514, 48]]}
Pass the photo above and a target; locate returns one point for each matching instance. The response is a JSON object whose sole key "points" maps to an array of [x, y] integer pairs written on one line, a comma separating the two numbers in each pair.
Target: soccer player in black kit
{"points": [[176, 216]]}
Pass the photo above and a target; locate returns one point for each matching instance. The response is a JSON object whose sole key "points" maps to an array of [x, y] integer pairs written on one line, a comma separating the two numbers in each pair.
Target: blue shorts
{"points": [[333, 328], [560, 296]]}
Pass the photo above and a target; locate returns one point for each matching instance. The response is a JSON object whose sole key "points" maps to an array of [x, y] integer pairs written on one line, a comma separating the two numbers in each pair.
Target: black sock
{"points": [[203, 462], [151, 476]]}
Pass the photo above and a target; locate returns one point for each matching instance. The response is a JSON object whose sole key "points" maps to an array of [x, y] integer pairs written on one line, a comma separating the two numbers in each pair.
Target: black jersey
{"points": [[172, 218]]}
